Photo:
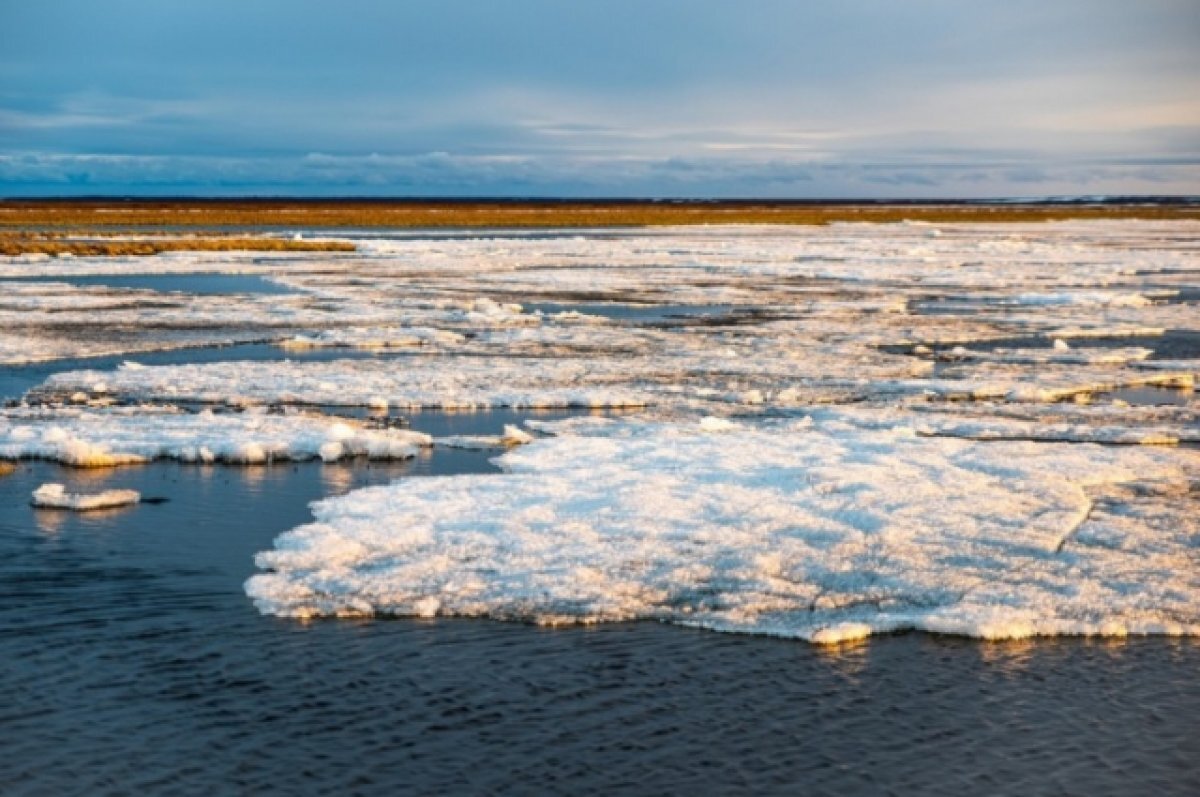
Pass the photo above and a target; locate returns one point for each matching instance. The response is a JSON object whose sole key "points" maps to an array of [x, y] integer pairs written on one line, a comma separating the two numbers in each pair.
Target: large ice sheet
{"points": [[820, 529]]}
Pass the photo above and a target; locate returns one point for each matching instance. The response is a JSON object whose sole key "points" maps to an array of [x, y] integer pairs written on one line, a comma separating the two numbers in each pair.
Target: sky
{"points": [[602, 98]]}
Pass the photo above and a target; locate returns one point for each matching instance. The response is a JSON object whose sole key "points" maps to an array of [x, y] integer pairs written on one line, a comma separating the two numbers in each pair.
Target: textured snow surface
{"points": [[55, 496], [411, 382], [816, 529], [983, 429], [102, 438]]}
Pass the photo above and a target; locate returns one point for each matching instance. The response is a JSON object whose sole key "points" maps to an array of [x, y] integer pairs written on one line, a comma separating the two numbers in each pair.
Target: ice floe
{"points": [[413, 382], [511, 436], [123, 436], [55, 496], [815, 528]]}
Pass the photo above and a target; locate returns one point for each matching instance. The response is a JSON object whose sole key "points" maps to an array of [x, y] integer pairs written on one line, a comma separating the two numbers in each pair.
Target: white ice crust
{"points": [[844, 430], [412, 383], [55, 496], [818, 529], [121, 436]]}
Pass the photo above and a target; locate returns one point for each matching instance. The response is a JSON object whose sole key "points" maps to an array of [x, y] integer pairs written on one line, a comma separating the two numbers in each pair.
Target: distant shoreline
{"points": [[111, 214]]}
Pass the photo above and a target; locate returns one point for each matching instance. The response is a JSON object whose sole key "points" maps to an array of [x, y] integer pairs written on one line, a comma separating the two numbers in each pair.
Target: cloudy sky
{"points": [[771, 98]]}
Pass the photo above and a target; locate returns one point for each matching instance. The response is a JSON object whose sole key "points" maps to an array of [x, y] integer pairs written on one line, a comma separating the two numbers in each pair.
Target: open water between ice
{"points": [[198, 284], [132, 661]]}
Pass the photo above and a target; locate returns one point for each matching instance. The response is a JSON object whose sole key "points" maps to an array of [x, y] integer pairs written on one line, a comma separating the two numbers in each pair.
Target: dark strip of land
{"points": [[20, 243], [100, 214]]}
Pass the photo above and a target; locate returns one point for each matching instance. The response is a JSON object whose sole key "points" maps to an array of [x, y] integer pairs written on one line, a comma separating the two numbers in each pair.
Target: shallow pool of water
{"points": [[199, 284], [1151, 396], [440, 423]]}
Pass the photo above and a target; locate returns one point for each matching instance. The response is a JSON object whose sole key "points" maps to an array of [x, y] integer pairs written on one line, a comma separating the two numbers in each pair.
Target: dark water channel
{"points": [[132, 662]]}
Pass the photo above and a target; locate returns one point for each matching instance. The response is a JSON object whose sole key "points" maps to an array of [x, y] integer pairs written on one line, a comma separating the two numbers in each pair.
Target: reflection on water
{"points": [[847, 659], [1010, 655], [50, 523], [132, 661]]}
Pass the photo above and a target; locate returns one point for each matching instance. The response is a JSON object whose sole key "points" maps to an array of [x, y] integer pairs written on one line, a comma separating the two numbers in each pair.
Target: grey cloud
{"points": [[655, 96]]}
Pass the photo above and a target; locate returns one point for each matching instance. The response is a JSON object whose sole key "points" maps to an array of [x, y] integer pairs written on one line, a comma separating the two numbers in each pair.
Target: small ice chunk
{"points": [[426, 607], [1061, 345], [515, 436], [55, 496], [122, 436], [713, 424]]}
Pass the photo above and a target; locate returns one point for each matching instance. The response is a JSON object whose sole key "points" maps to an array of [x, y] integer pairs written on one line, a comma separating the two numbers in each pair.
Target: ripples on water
{"points": [[132, 662]]}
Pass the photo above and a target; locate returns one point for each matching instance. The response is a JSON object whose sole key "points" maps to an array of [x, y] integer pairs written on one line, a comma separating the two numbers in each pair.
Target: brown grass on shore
{"points": [[100, 214], [25, 243]]}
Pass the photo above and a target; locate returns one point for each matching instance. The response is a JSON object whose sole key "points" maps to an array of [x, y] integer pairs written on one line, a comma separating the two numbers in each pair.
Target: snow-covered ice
{"points": [[122, 436], [412, 382], [511, 436], [55, 496], [817, 529], [843, 430]]}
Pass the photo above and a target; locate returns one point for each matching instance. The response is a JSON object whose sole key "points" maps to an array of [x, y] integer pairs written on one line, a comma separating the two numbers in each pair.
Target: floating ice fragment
{"points": [[94, 438], [55, 496], [711, 424], [515, 436], [512, 436]]}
